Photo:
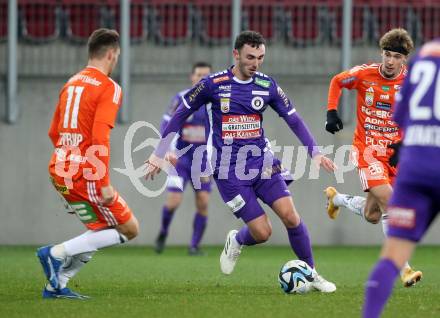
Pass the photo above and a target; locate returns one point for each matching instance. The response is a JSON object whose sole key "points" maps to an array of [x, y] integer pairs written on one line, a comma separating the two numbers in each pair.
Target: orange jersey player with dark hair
{"points": [[79, 167], [376, 134]]}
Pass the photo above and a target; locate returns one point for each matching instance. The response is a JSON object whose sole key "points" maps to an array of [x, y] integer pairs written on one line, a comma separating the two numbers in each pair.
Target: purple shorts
{"points": [[241, 198], [412, 209], [177, 183]]}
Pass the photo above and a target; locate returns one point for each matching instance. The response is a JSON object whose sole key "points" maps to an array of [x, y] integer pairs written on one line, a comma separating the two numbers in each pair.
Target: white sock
{"points": [[355, 204], [72, 266], [91, 241], [385, 224]]}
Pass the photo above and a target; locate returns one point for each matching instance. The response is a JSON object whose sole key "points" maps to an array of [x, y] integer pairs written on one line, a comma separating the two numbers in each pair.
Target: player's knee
{"points": [[202, 207], [291, 220], [131, 230], [373, 218], [263, 235]]}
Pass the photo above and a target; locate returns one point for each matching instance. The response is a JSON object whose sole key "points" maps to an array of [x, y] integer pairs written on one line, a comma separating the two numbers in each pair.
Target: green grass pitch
{"points": [[135, 282]]}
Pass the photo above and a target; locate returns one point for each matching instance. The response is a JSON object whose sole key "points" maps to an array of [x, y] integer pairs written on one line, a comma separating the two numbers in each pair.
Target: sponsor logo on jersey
{"points": [[226, 88], [369, 83], [283, 96], [196, 91], [382, 105], [262, 83], [261, 93], [241, 126], [369, 96], [220, 79], [227, 95], [348, 80], [224, 105], [385, 96], [257, 102], [385, 88]]}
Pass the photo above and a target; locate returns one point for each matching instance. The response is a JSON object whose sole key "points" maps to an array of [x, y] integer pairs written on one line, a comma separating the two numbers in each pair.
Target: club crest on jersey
{"points": [[369, 96], [224, 105], [257, 102], [397, 87]]}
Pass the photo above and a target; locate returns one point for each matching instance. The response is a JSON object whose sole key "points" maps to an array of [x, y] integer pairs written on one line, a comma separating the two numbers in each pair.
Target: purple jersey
{"points": [[194, 131], [235, 112], [418, 114]]}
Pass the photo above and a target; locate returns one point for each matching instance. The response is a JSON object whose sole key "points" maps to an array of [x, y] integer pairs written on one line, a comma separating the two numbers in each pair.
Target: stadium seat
{"points": [[428, 15], [389, 16], [361, 32], [3, 19], [262, 16], [170, 21], [82, 17], [306, 22], [138, 17], [40, 19], [213, 21]]}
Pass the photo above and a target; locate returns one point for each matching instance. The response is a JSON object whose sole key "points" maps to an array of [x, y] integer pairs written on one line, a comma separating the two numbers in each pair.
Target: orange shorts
{"points": [[83, 200], [374, 172]]}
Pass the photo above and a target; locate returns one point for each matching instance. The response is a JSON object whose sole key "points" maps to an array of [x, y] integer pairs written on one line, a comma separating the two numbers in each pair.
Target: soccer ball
{"points": [[296, 277]]}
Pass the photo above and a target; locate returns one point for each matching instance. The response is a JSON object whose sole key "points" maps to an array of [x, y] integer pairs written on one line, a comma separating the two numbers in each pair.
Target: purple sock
{"points": [[244, 237], [199, 226], [379, 287], [300, 242], [167, 216]]}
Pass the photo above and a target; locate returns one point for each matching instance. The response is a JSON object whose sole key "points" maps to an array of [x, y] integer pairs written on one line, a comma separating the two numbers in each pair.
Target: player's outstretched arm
{"points": [[346, 79], [326, 163]]}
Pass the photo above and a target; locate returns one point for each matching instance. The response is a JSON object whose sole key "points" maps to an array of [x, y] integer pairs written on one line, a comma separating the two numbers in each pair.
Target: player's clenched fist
{"points": [[333, 123]]}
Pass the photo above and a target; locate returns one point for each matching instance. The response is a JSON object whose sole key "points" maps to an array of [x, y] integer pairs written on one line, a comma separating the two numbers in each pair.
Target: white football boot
{"points": [[321, 284], [230, 253]]}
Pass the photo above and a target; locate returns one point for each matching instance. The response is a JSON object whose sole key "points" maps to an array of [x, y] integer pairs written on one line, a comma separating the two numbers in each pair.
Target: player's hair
{"points": [[200, 64], [252, 38], [397, 40], [100, 41]]}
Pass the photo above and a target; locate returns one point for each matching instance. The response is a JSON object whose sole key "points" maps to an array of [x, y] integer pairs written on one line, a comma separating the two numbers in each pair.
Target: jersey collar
{"points": [[239, 81]]}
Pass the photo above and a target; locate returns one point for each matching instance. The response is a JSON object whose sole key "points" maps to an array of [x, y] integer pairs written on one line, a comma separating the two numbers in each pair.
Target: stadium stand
{"points": [[171, 21], [138, 18], [82, 17], [213, 21], [3, 19], [40, 19]]}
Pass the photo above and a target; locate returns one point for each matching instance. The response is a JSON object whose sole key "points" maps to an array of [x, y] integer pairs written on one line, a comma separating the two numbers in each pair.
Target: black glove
{"points": [[333, 123], [394, 159]]}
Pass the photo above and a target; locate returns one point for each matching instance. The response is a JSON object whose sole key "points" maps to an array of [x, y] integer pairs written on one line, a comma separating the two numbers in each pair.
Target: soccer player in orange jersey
{"points": [[79, 166], [376, 85]]}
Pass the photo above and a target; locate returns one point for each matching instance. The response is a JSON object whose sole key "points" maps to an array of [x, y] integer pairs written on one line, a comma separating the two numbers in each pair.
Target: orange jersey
{"points": [[375, 102], [80, 130]]}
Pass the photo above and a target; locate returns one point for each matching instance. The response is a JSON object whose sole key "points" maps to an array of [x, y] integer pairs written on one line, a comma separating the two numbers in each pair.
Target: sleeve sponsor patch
{"points": [[220, 79]]}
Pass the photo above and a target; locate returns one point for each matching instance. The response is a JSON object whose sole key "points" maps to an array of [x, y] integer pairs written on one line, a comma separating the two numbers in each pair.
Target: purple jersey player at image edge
{"points": [[416, 199]]}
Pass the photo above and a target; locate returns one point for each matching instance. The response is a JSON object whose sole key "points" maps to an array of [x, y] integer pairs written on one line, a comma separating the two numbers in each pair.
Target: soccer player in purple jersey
{"points": [[192, 133], [416, 198], [242, 163]]}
